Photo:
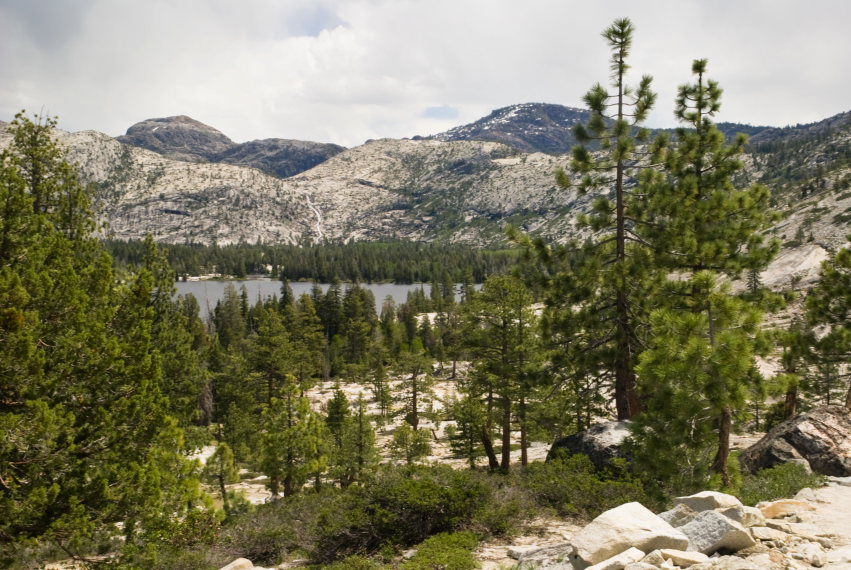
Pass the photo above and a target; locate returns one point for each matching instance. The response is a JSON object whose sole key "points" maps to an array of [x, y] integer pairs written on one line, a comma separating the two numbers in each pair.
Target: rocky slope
{"points": [[184, 138]]}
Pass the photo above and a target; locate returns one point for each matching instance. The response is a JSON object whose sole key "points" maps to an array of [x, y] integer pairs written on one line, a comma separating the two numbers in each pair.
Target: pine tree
{"points": [[292, 442], [701, 226], [220, 470], [503, 346], [409, 444], [355, 455], [595, 298], [829, 305], [697, 373], [416, 388], [87, 439]]}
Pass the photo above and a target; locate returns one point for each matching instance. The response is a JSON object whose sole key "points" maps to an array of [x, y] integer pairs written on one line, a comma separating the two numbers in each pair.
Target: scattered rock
{"points": [[806, 494], [784, 508], [840, 555], [640, 566], [765, 533], [519, 551], [708, 500], [616, 530], [727, 563], [842, 481], [779, 525], [812, 554], [602, 443], [746, 516], [678, 516], [239, 564], [618, 562], [683, 558], [822, 437], [551, 557], [710, 532]]}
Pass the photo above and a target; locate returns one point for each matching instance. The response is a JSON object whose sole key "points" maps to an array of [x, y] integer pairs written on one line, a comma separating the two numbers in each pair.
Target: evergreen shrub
{"points": [[780, 481]]}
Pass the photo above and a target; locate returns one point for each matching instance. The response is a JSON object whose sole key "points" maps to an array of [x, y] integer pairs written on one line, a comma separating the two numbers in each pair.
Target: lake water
{"points": [[211, 292]]}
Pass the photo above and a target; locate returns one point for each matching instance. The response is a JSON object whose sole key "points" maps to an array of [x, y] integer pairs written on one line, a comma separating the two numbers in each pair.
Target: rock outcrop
{"points": [[821, 437], [708, 534], [279, 157], [602, 443]]}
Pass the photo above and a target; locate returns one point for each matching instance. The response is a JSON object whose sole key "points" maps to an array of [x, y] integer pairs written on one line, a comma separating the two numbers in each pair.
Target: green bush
{"points": [[574, 488], [402, 506], [780, 481], [445, 552]]}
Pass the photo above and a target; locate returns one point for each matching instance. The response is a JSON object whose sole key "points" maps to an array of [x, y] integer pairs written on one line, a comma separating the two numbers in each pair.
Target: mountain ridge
{"points": [[183, 138], [426, 189]]}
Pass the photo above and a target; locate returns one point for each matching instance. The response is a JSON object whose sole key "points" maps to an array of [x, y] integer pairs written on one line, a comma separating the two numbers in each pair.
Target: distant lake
{"points": [[211, 292]]}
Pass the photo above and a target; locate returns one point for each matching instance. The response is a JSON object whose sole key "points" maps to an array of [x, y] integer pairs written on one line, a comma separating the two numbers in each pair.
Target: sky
{"points": [[344, 71]]}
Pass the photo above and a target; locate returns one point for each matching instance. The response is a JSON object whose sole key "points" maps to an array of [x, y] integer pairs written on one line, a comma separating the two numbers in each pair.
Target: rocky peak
{"points": [[184, 138], [530, 127], [180, 138]]}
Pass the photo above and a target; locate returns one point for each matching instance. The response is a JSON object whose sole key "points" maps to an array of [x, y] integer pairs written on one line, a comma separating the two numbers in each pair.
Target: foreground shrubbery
{"points": [[399, 508], [440, 511]]}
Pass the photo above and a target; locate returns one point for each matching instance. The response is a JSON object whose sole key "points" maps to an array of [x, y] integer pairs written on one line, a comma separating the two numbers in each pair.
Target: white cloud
{"points": [[348, 70]]}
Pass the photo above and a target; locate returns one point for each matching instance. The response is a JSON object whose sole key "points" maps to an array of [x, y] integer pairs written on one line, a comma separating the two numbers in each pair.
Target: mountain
{"points": [[180, 138], [184, 138], [462, 191], [545, 127], [529, 127]]}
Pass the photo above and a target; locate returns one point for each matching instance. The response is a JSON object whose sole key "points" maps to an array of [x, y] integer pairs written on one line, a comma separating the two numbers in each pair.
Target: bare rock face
{"points": [[602, 443], [821, 437], [279, 157], [180, 138]]}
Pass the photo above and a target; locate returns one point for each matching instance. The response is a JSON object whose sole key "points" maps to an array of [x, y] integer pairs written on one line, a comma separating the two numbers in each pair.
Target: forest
{"points": [[110, 384], [398, 262]]}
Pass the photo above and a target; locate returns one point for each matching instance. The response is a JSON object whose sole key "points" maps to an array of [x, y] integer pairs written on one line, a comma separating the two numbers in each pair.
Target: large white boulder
{"points": [[710, 531], [618, 529]]}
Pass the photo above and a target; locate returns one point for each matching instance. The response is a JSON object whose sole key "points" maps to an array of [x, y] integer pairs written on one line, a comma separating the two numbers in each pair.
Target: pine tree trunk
{"points": [[493, 464], [506, 436], [720, 464], [224, 492], [415, 418], [790, 405], [524, 444], [848, 399]]}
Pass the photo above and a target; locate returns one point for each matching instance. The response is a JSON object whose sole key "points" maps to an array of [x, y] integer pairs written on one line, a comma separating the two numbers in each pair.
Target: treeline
{"points": [[400, 262]]}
